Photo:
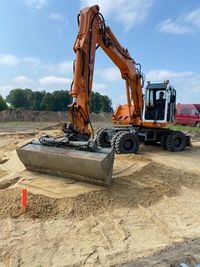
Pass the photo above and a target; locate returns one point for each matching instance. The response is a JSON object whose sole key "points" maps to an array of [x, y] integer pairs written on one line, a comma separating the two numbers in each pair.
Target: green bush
{"points": [[3, 104], [55, 101]]}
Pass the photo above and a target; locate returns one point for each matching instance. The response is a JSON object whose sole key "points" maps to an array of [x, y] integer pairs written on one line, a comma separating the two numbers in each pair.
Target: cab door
{"points": [[194, 116], [185, 115]]}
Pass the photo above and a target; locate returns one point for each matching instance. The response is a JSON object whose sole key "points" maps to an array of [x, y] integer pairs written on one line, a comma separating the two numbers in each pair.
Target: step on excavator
{"points": [[81, 155]]}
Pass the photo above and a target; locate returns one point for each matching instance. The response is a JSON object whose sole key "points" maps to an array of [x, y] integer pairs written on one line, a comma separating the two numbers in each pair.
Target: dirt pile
{"points": [[29, 115], [46, 116], [144, 187], [153, 204]]}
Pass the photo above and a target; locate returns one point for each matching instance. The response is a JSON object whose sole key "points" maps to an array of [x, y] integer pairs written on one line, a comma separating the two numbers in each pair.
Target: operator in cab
{"points": [[160, 106]]}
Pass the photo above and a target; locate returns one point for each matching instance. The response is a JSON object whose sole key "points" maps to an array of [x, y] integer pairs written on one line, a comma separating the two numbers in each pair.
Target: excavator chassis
{"points": [[126, 139], [73, 161]]}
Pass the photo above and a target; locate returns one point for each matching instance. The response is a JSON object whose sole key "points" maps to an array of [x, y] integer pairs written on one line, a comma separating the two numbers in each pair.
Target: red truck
{"points": [[188, 114]]}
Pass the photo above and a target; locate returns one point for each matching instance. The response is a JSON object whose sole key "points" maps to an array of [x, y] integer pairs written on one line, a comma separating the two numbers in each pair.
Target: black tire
{"points": [[127, 143], [163, 141], [113, 140], [99, 130], [103, 139], [176, 141]]}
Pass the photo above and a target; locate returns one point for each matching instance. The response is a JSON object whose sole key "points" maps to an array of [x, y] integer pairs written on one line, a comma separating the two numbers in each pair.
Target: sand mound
{"points": [[35, 116], [46, 116], [143, 187], [152, 204]]}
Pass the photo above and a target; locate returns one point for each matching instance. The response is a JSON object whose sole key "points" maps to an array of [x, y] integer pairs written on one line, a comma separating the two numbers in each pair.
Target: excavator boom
{"points": [[76, 155]]}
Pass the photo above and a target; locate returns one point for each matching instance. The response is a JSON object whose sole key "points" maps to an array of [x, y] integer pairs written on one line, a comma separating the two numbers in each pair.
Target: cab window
{"points": [[185, 111], [158, 94], [194, 111], [149, 99]]}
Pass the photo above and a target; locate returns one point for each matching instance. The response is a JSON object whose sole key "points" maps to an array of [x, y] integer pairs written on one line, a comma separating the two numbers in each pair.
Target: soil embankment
{"points": [[152, 205], [46, 116]]}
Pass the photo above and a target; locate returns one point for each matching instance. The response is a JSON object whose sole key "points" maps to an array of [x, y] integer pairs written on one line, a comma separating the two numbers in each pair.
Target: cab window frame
{"points": [[185, 111]]}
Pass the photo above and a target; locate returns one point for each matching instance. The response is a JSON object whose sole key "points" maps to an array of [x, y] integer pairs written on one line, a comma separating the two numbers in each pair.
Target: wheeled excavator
{"points": [[81, 155]]}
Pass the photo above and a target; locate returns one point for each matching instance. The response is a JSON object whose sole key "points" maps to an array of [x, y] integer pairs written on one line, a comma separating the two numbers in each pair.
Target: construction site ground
{"points": [[149, 216]]}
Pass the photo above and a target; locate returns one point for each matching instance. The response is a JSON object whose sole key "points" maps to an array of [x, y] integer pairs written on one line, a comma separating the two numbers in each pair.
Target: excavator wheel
{"points": [[113, 140], [163, 141], [176, 141], [103, 139], [127, 142]]}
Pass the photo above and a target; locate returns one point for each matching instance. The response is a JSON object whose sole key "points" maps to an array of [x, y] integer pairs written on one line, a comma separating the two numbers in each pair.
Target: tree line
{"points": [[26, 99]]}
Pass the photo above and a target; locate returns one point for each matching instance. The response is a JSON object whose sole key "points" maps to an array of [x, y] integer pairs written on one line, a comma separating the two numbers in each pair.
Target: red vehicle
{"points": [[188, 114]]}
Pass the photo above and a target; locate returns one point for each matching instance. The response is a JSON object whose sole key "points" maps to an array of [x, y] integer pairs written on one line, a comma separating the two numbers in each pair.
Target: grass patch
{"points": [[188, 129]]}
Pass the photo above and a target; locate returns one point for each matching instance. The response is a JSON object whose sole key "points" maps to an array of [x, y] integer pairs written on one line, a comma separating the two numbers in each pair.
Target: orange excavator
{"points": [[80, 154]]}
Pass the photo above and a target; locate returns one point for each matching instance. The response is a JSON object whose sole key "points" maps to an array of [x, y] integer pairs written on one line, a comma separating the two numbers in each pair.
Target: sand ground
{"points": [[153, 204]]}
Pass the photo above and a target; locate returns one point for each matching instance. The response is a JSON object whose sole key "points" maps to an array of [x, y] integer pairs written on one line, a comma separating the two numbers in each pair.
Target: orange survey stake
{"points": [[24, 198]]}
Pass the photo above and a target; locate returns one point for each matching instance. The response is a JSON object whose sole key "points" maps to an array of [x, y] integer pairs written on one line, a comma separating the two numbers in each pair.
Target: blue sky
{"points": [[37, 37]]}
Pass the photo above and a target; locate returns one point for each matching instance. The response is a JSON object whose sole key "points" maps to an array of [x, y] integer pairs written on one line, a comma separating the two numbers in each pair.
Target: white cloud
{"points": [[5, 89], [185, 23], [127, 12], [38, 4], [189, 89], [162, 74], [32, 62], [56, 17], [192, 86], [63, 67], [99, 87], [187, 83], [170, 26], [111, 74], [6, 59], [123, 97], [22, 80], [53, 80], [194, 17]]}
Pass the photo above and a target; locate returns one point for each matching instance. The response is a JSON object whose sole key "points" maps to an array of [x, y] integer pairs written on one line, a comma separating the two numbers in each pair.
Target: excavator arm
{"points": [[76, 155], [92, 34]]}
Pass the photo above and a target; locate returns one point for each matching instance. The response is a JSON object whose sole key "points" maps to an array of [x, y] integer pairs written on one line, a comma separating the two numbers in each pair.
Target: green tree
{"points": [[28, 95], [47, 102], [37, 100], [17, 98], [3, 104], [56, 101], [95, 104], [61, 100], [100, 103], [106, 104]]}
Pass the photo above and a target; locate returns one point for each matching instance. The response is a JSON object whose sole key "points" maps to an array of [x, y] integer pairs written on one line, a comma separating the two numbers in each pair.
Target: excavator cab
{"points": [[159, 103]]}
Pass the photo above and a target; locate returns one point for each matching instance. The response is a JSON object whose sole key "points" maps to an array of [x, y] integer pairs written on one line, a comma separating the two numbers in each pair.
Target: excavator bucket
{"points": [[92, 167]]}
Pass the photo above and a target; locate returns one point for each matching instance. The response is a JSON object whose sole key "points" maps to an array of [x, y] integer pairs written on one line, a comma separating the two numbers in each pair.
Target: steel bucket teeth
{"points": [[92, 167]]}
